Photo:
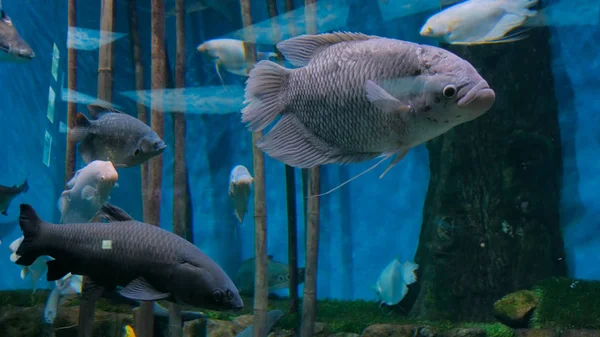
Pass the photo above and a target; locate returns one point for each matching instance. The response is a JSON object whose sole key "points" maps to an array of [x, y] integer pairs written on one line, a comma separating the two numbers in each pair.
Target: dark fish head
{"points": [[454, 92], [12, 47], [208, 287], [148, 146]]}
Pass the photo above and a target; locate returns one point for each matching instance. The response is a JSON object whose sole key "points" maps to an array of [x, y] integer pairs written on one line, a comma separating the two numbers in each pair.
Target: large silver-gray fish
{"points": [[12, 47], [358, 97], [150, 263], [8, 193], [115, 136]]}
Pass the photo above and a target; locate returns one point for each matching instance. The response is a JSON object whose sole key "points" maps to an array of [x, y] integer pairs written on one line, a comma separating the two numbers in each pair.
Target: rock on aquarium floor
{"points": [[558, 307]]}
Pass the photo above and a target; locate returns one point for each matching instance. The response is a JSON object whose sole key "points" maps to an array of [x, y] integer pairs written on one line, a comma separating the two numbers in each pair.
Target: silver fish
{"points": [[87, 191], [344, 105], [240, 186], [115, 136], [12, 46]]}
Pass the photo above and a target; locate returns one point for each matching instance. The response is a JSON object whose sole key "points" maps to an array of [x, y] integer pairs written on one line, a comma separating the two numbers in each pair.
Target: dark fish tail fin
{"points": [[113, 213], [263, 92], [30, 224], [80, 131], [25, 185]]}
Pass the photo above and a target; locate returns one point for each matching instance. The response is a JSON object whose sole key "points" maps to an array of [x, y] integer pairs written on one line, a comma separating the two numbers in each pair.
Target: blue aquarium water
{"points": [[481, 206]]}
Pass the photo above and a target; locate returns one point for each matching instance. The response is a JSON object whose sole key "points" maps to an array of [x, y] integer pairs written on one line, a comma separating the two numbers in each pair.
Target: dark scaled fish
{"points": [[142, 262], [278, 276], [357, 97], [112, 135], [7, 194], [12, 47]]}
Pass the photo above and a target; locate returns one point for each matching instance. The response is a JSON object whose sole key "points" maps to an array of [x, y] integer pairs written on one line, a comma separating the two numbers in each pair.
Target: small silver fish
{"points": [[240, 187], [392, 284], [8, 193], [278, 276], [358, 97], [230, 55], [87, 191], [480, 22], [115, 136], [12, 47]]}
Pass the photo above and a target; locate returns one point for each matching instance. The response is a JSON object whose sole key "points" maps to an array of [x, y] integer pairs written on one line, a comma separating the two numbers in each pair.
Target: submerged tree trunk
{"points": [[490, 220]]}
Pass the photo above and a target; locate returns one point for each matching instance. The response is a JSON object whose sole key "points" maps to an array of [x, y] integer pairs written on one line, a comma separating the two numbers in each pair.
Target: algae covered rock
{"points": [[515, 309], [390, 330], [536, 333], [463, 332]]}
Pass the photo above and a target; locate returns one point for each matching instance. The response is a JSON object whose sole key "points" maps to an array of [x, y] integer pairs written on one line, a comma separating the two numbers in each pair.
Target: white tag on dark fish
{"points": [[106, 244]]}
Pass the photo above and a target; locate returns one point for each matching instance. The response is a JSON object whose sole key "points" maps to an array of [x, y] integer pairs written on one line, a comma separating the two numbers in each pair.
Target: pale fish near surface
{"points": [[230, 55], [240, 187], [12, 46], [87, 191], [392, 284], [112, 135], [480, 21], [357, 97]]}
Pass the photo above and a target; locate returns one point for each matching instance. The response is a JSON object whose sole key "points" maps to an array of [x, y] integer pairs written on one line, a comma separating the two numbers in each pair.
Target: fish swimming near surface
{"points": [[145, 262], [87, 191], [12, 46], [112, 135], [230, 55], [357, 97], [392, 284], [480, 22], [7, 194], [278, 276], [36, 270], [240, 186]]}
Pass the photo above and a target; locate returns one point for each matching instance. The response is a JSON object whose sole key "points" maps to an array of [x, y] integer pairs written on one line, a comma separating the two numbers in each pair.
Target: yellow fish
{"points": [[479, 21], [129, 332]]}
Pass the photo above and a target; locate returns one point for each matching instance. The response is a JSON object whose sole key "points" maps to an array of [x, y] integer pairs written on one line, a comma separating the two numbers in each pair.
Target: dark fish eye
{"points": [[449, 91], [218, 295], [229, 294], [280, 278], [287, 277], [137, 152]]}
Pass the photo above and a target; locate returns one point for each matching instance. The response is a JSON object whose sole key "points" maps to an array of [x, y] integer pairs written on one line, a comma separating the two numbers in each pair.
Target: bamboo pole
{"points": [[290, 184], [136, 50], [145, 319], [309, 303], [87, 306], [72, 85], [261, 293], [180, 188]]}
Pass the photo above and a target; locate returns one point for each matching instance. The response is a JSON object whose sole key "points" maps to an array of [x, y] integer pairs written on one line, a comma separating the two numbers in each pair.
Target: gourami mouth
{"points": [[481, 93]]}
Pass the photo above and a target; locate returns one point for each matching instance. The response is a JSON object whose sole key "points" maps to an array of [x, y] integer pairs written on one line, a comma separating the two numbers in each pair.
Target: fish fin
{"points": [[71, 183], [349, 180], [24, 272], [30, 224], [97, 110], [263, 93], [518, 36], [288, 141], [113, 213], [56, 270], [90, 290], [88, 193], [63, 204], [217, 69], [81, 130], [139, 289], [301, 49], [400, 154], [383, 100], [116, 185], [86, 150]]}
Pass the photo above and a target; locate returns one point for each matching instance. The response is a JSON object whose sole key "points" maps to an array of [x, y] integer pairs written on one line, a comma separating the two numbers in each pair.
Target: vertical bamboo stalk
{"points": [[309, 305], [144, 319], [72, 85], [260, 205], [105, 56], [180, 188], [136, 50]]}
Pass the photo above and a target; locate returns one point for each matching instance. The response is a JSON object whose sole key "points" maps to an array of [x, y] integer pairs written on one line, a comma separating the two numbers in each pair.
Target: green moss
{"points": [[492, 329], [23, 298], [567, 304]]}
